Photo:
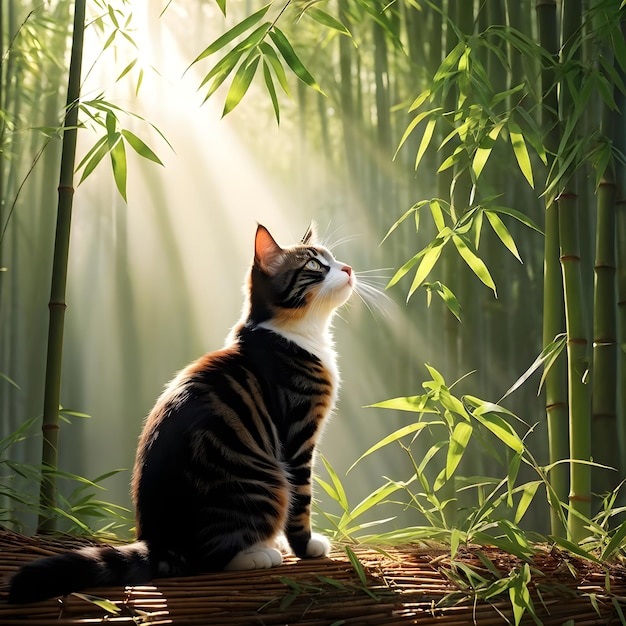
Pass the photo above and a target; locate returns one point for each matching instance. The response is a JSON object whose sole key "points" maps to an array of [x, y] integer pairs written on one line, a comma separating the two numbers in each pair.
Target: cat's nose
{"points": [[347, 269]]}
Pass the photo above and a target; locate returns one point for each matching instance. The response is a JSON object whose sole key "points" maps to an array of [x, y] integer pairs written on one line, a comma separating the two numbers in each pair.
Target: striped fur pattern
{"points": [[222, 477]]}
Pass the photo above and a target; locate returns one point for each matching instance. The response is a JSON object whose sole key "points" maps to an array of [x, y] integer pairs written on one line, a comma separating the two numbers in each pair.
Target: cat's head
{"points": [[296, 284]]}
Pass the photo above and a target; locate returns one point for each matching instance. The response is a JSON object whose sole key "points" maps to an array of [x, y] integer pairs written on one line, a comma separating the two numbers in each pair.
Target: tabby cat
{"points": [[222, 477]]}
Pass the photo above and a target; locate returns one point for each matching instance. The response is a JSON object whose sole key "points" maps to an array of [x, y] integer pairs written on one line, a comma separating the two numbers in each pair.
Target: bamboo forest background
{"points": [[156, 281]]}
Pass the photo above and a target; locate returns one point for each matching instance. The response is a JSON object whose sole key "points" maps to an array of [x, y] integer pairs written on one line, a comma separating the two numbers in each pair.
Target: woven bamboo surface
{"points": [[407, 585]]}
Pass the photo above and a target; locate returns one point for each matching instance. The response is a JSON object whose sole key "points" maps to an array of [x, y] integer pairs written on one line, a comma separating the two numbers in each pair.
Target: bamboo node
{"points": [[69, 188], [569, 257], [576, 498], [556, 405], [578, 341], [57, 305], [566, 195], [50, 427]]}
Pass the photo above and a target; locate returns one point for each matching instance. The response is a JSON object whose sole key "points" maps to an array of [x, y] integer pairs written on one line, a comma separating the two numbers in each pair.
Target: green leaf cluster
{"points": [[463, 231], [255, 43], [479, 116], [81, 511], [113, 142], [479, 510]]}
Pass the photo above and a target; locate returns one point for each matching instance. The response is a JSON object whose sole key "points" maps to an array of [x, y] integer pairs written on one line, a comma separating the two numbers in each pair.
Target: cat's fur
{"points": [[222, 478]]}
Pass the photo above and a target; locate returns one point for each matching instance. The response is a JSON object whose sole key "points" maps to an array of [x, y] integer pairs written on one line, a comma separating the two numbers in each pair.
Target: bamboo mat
{"points": [[407, 585]]}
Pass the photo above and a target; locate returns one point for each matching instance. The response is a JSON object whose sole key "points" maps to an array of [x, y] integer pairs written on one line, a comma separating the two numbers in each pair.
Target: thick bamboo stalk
{"points": [[57, 305], [553, 311], [579, 389], [604, 397]]}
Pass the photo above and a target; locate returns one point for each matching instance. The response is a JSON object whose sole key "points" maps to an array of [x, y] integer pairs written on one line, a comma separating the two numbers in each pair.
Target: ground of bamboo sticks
{"points": [[405, 585]]}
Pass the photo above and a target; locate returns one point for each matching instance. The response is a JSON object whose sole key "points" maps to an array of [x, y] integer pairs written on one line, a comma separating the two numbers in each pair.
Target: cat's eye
{"points": [[312, 264]]}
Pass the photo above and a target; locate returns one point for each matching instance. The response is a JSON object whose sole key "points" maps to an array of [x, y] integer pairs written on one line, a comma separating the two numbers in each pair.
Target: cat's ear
{"points": [[310, 235], [267, 253]]}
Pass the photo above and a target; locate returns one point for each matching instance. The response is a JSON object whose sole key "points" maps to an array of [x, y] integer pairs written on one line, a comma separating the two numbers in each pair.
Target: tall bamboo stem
{"points": [[579, 389], [605, 348], [57, 305], [553, 311], [604, 397], [619, 140]]}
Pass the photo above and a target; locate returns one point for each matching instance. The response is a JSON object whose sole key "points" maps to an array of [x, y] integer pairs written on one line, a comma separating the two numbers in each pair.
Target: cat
{"points": [[222, 477]]}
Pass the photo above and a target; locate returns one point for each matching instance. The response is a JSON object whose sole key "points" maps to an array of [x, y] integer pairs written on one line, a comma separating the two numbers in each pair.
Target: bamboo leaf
{"points": [[425, 142], [323, 18], [437, 213], [574, 548], [118, 162], [395, 436], [518, 215], [519, 593], [616, 542], [501, 429], [127, 69], [480, 159], [111, 124], [233, 33], [414, 404], [446, 294], [548, 356], [410, 128], [417, 103], [432, 254], [140, 147], [341, 499], [359, 569], [220, 72], [269, 83], [452, 160], [521, 152], [277, 66], [501, 230], [528, 494], [292, 59], [102, 603], [93, 157], [414, 209], [241, 82], [4, 376], [405, 268], [475, 263], [458, 443], [484, 151], [373, 499]]}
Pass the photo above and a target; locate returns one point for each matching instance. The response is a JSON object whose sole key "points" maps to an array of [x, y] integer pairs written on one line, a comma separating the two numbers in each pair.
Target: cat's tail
{"points": [[98, 566]]}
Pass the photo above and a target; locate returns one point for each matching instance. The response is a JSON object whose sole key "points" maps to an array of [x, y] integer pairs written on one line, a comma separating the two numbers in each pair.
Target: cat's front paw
{"points": [[256, 557], [318, 546]]}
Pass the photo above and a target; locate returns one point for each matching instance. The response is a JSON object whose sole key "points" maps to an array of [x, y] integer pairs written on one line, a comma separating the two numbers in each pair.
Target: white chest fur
{"points": [[317, 341]]}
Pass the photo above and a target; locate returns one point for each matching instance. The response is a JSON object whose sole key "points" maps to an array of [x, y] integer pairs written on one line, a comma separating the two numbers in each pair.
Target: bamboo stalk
{"points": [[579, 389], [553, 311], [604, 397], [619, 141], [57, 305]]}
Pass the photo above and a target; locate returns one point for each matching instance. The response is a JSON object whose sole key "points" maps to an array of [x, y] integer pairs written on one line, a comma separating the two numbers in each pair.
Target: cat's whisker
{"points": [[339, 242], [377, 269], [372, 295]]}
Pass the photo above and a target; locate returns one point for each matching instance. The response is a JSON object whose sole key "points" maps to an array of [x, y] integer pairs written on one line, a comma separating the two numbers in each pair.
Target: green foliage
{"points": [[264, 42], [463, 230], [81, 512], [113, 142], [489, 509]]}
